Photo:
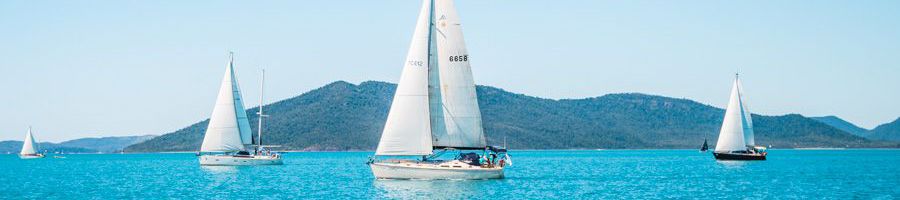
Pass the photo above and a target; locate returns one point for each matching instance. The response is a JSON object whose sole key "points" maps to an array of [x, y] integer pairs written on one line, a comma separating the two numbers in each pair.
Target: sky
{"points": [[74, 69]]}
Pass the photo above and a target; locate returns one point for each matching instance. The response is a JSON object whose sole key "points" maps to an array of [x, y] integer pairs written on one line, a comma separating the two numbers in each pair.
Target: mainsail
{"points": [[462, 117], [737, 128], [29, 146], [229, 128], [748, 123], [435, 105]]}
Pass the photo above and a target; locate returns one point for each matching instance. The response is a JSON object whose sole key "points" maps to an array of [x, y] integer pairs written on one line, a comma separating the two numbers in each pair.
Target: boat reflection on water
{"points": [[219, 170], [733, 164], [433, 189], [218, 175]]}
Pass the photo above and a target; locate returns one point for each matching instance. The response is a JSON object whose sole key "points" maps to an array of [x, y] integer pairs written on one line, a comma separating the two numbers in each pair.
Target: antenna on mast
{"points": [[231, 57]]}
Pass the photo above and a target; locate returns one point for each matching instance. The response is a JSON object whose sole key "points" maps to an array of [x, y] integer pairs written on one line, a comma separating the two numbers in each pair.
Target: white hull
{"points": [[447, 170], [227, 160], [31, 156]]}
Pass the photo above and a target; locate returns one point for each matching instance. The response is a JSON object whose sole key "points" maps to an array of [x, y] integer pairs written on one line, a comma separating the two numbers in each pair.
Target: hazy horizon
{"points": [[92, 69]]}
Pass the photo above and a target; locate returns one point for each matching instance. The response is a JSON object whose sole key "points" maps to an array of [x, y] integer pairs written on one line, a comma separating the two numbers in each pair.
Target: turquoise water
{"points": [[588, 174]]}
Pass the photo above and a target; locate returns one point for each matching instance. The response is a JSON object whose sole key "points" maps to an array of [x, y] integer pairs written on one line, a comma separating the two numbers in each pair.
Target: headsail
{"points": [[407, 129], [229, 128], [28, 145], [461, 115], [736, 123]]}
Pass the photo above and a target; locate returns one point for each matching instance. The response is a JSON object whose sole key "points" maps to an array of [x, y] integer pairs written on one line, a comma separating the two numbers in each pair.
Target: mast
{"points": [[430, 33], [262, 83], [435, 95]]}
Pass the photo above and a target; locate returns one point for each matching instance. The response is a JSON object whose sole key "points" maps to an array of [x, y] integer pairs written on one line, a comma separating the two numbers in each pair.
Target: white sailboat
{"points": [[228, 132], [29, 147], [736, 139], [435, 108]]}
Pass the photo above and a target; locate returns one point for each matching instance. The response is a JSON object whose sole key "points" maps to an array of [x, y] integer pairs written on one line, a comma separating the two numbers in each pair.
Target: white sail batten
{"points": [[28, 145], [459, 102], [731, 136], [408, 127], [228, 129], [745, 112]]}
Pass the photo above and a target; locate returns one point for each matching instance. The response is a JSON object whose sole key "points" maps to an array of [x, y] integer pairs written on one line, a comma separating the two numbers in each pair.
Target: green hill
{"points": [[842, 124], [106, 144], [889, 131], [343, 116]]}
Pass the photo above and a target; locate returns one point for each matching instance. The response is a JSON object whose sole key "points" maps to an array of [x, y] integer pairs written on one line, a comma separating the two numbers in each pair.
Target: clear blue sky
{"points": [[95, 68]]}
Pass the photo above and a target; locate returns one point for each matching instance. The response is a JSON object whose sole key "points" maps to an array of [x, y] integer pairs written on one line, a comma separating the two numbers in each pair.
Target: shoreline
{"points": [[368, 151]]}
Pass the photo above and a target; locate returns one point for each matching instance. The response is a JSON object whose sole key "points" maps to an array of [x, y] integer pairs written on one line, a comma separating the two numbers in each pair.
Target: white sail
{"points": [[731, 136], [29, 146], [459, 105], [229, 128], [408, 130], [748, 122]]}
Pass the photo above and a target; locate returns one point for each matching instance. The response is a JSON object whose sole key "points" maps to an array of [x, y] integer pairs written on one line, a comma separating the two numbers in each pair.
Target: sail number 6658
{"points": [[462, 58]]}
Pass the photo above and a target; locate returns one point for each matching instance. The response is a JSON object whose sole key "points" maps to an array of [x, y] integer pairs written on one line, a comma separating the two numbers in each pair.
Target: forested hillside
{"points": [[343, 116]]}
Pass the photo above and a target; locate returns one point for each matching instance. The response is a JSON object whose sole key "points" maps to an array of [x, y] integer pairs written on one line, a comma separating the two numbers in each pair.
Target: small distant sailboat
{"points": [[736, 139], [435, 108], [229, 129], [29, 147], [705, 146]]}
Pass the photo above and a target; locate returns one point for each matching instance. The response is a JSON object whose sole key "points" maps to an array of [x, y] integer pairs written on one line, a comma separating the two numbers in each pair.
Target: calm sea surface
{"points": [[587, 174]]}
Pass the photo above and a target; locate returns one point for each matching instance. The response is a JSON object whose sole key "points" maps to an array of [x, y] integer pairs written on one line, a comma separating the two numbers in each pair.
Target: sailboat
{"points": [[435, 109], [736, 139], [228, 132], [29, 147], [705, 146]]}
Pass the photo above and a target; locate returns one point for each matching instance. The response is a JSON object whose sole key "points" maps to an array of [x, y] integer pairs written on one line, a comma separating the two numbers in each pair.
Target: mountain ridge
{"points": [[842, 124], [889, 131], [110, 144], [341, 116]]}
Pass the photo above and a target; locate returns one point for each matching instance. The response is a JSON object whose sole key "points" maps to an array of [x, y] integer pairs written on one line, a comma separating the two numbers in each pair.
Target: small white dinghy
{"points": [[229, 133], [435, 108], [29, 147]]}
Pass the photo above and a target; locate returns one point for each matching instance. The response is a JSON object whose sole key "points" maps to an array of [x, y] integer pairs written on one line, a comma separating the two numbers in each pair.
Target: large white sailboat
{"points": [[736, 139], [29, 147], [228, 133], [435, 108]]}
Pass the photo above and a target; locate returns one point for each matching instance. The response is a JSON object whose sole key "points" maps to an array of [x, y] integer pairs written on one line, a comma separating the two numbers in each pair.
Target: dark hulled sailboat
{"points": [[736, 139]]}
